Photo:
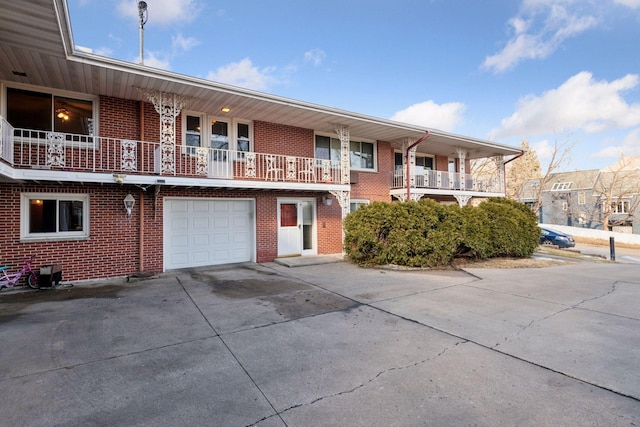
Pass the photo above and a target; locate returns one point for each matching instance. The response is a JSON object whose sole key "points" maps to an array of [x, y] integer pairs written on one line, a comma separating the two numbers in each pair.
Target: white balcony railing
{"points": [[443, 180], [23, 148]]}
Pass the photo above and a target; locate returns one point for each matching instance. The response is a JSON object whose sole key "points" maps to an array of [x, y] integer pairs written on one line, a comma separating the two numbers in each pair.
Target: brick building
{"points": [[108, 168]]}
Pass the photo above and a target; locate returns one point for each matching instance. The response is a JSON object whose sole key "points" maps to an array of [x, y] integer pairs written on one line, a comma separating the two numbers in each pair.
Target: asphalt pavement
{"points": [[328, 345]]}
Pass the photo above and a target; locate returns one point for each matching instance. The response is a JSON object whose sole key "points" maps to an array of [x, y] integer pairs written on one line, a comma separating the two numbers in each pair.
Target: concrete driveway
{"points": [[328, 345]]}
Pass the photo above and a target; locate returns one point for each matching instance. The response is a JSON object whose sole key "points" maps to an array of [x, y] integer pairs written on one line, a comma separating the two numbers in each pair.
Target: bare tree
{"points": [[560, 155], [522, 169], [617, 189]]}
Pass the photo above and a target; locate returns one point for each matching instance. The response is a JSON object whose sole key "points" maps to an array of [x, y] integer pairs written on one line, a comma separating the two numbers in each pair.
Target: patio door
{"points": [[296, 227], [220, 161]]}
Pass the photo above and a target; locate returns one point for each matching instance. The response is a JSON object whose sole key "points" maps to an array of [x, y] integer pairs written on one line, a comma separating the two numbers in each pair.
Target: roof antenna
{"points": [[142, 13]]}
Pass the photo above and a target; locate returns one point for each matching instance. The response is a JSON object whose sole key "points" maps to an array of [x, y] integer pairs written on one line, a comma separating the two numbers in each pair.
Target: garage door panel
{"points": [[207, 232]]}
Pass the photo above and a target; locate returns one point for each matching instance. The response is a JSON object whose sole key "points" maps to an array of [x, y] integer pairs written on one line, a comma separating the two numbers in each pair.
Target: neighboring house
{"points": [[108, 167], [597, 199]]}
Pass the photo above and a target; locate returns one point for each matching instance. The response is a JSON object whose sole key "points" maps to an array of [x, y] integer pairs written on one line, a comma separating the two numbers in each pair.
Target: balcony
{"points": [[53, 151], [439, 181]]}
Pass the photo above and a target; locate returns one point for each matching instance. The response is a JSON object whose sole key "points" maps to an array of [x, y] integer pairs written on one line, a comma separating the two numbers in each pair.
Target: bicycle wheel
{"points": [[32, 280]]}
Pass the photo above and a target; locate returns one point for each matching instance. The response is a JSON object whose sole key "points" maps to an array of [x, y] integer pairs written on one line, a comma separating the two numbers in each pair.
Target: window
{"points": [[559, 186], [426, 162], [361, 154], [47, 112], [54, 216], [356, 204], [621, 207], [220, 134], [565, 206], [582, 198]]}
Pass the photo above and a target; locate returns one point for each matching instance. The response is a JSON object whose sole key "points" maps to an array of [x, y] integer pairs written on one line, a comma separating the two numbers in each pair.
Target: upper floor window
{"points": [[559, 186], [54, 216], [361, 153], [582, 198], [32, 110], [621, 207], [220, 134]]}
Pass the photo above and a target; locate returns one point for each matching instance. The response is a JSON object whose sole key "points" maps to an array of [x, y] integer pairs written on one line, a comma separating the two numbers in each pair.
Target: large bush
{"points": [[428, 234]]}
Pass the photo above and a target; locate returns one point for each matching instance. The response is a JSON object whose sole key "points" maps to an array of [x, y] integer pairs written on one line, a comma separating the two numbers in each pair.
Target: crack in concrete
{"points": [[374, 378], [574, 306]]}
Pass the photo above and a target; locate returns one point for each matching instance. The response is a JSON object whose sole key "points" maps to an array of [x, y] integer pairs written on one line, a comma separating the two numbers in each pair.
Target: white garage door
{"points": [[201, 232]]}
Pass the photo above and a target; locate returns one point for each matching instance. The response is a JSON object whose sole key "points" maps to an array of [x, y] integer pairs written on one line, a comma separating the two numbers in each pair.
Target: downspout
{"points": [[504, 178], [426, 135], [141, 231]]}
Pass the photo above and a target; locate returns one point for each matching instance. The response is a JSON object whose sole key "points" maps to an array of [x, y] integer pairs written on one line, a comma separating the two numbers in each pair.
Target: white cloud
{"points": [[633, 4], [179, 42], [579, 103], [630, 146], [543, 149], [244, 74], [162, 12], [429, 114], [537, 33], [152, 59], [315, 56]]}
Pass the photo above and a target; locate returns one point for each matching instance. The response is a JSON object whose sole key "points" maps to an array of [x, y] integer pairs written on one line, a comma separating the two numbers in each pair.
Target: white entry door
{"points": [[220, 161], [296, 227]]}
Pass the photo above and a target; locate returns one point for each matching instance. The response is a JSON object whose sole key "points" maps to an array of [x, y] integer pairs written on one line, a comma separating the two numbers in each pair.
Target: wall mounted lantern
{"points": [[129, 201], [327, 200]]}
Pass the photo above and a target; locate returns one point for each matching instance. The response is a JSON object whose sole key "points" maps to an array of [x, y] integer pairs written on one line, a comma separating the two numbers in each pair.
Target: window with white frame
{"points": [[46, 111], [217, 133], [356, 204], [560, 186], [565, 206], [362, 154], [54, 216], [620, 207], [582, 198]]}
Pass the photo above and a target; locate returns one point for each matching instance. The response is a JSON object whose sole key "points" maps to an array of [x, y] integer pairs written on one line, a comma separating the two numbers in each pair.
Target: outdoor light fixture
{"points": [[327, 200], [143, 15], [225, 109], [129, 201]]}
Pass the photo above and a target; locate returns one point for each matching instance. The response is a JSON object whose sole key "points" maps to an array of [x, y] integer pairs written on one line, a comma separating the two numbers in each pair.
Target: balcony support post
{"points": [[462, 155], [345, 169], [168, 106], [499, 161], [344, 200]]}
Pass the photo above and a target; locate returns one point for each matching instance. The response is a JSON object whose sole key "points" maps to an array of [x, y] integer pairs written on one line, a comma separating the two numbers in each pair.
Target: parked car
{"points": [[553, 237]]}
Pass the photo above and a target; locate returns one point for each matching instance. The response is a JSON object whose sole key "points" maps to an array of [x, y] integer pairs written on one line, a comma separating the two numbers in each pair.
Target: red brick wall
{"points": [[280, 139], [113, 247], [375, 186], [120, 118]]}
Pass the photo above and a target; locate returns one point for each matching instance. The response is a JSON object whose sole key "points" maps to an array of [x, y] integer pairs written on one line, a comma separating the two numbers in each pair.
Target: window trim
{"points": [[25, 198], [620, 207], [53, 92], [205, 131], [561, 186], [363, 202], [355, 139]]}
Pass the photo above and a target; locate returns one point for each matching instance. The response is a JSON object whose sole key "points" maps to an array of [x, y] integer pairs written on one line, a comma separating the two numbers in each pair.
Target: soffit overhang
{"points": [[37, 48]]}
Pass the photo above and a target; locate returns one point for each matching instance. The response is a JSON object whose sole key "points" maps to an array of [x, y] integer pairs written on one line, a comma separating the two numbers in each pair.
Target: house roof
{"points": [[37, 48], [578, 180]]}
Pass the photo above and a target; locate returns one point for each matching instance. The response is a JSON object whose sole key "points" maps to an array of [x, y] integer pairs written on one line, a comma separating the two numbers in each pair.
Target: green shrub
{"points": [[428, 234]]}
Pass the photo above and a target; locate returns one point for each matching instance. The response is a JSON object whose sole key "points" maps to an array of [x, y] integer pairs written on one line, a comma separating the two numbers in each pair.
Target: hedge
{"points": [[428, 234]]}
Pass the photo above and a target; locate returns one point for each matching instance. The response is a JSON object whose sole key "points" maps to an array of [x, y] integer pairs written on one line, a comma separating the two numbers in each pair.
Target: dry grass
{"points": [[545, 256], [510, 263], [601, 242]]}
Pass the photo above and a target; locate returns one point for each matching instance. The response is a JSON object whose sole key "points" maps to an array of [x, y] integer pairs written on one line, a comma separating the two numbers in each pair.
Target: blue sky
{"points": [[565, 71]]}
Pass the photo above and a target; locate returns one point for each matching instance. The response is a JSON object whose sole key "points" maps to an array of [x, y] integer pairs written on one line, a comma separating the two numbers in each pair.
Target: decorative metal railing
{"points": [[443, 180], [24, 148]]}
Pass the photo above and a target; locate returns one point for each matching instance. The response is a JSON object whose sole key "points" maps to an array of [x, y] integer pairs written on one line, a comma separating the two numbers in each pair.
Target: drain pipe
{"points": [[426, 135], [504, 178]]}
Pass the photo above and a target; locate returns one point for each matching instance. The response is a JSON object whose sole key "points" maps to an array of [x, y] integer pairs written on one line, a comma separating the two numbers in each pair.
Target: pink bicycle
{"points": [[11, 280]]}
